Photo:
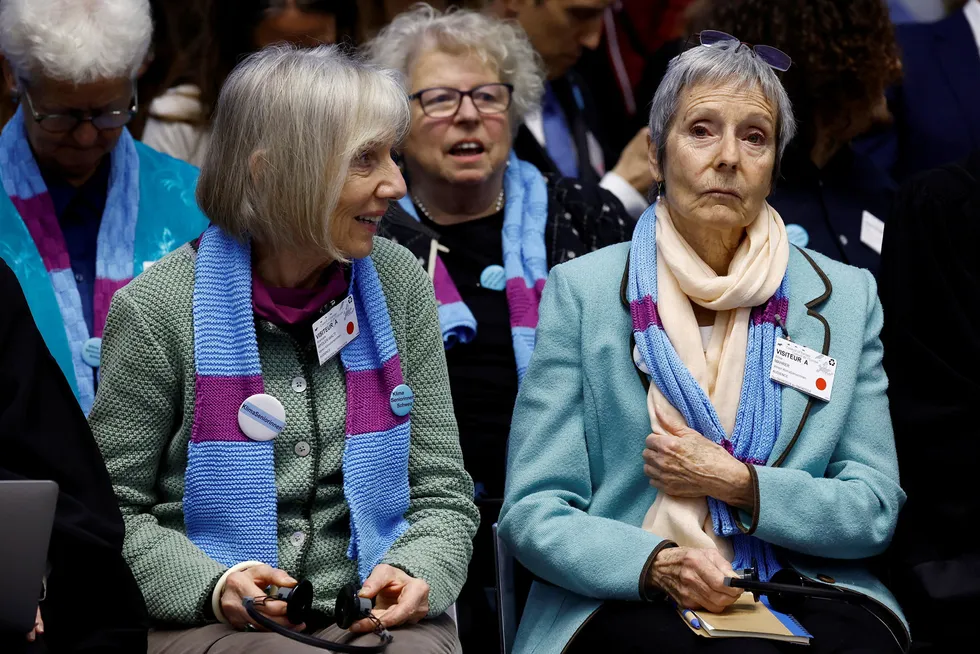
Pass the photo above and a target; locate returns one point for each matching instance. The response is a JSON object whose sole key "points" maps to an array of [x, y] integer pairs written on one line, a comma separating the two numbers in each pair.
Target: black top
{"points": [[93, 602], [483, 372], [829, 203], [929, 287]]}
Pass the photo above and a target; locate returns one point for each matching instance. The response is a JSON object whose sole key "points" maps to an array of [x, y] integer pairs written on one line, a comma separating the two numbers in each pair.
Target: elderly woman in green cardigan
{"points": [[274, 401]]}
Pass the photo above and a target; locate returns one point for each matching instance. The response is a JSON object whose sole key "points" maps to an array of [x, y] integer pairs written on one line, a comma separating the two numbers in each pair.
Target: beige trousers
{"points": [[435, 636]]}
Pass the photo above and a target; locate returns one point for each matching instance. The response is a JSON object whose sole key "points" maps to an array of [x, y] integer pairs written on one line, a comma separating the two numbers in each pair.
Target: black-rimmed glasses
{"points": [[444, 102], [775, 58], [67, 122]]}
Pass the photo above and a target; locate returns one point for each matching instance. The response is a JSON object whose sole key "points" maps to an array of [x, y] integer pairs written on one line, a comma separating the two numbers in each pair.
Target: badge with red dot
{"points": [[335, 329], [806, 370]]}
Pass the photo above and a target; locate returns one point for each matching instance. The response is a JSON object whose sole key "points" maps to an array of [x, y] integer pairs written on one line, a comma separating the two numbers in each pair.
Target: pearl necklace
{"points": [[496, 208]]}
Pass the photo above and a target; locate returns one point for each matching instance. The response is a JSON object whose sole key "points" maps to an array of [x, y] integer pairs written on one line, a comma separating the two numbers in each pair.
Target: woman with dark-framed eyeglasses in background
{"points": [[471, 78], [85, 208]]}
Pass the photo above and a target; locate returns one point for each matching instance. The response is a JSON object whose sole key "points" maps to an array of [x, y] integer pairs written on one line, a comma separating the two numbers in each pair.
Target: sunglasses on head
{"points": [[773, 57]]}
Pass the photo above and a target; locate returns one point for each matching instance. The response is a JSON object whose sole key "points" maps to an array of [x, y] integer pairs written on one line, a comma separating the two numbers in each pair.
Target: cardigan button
{"points": [[299, 384], [827, 579], [302, 449], [297, 539]]}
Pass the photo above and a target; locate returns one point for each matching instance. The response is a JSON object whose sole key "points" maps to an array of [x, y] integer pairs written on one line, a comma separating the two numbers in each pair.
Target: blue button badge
{"points": [[494, 278], [402, 399], [797, 235], [92, 352]]}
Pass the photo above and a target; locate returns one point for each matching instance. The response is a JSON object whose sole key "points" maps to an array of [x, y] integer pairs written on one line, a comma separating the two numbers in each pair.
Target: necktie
{"points": [[557, 135]]}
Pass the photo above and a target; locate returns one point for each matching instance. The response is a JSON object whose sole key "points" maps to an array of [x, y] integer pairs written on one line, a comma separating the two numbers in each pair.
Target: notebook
{"points": [[747, 618]]}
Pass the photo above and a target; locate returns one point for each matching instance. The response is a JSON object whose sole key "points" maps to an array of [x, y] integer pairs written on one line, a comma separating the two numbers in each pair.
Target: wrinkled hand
{"points": [[633, 165], [251, 583], [399, 598], [683, 463], [38, 627], [694, 577]]}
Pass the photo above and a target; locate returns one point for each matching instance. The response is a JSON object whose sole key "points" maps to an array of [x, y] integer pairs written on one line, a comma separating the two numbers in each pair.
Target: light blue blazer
{"points": [[576, 494]]}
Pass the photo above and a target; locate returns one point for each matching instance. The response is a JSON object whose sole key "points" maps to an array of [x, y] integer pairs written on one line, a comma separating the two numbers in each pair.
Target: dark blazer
{"points": [[93, 603], [937, 106], [583, 118], [929, 287], [829, 203]]}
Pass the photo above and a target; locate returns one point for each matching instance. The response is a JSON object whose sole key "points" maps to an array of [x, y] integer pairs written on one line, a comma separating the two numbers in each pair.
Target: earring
{"points": [[661, 189]]}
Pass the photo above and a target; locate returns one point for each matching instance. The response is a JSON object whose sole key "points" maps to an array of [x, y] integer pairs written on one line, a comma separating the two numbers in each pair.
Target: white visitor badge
{"points": [[872, 231], [804, 369], [335, 329]]}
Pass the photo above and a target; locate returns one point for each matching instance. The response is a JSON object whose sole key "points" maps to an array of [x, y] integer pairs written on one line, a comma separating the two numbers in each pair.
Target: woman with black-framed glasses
{"points": [[86, 207], [488, 227]]}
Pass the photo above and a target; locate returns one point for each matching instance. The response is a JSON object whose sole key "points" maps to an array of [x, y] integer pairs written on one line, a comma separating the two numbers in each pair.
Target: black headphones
{"points": [[350, 608]]}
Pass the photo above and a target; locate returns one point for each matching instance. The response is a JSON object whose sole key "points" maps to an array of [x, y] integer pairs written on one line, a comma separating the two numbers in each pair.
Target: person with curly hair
{"points": [[844, 57]]}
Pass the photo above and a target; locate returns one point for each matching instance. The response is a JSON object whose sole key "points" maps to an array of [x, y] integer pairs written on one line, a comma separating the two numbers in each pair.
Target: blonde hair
{"points": [[286, 126], [502, 45]]}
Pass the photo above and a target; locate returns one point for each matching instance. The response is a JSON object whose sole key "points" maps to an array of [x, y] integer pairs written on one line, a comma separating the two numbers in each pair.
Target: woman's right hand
{"points": [[694, 577], [250, 583]]}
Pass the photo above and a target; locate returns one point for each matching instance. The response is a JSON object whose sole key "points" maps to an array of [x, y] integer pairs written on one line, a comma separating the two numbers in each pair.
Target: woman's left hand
{"points": [[400, 599], [683, 463]]}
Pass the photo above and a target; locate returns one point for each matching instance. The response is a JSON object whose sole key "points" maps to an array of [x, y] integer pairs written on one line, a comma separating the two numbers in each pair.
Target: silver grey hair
{"points": [[502, 45], [78, 41], [719, 64], [287, 125]]}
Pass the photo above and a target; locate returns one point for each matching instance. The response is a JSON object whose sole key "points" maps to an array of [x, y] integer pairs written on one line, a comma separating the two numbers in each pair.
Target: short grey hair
{"points": [[287, 125], [501, 44], [78, 41], [719, 64]]}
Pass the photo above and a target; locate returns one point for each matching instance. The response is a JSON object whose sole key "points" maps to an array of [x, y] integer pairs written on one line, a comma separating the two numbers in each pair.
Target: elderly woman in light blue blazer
{"points": [[657, 446]]}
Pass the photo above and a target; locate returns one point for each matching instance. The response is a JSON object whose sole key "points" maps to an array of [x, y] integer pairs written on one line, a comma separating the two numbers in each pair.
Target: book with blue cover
{"points": [[747, 618]]}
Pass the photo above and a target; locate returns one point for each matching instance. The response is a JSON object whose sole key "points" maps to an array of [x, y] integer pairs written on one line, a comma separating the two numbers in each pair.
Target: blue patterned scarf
{"points": [[525, 264], [230, 494], [758, 418], [24, 185]]}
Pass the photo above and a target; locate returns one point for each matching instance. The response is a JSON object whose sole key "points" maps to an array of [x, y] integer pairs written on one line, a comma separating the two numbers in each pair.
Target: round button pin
{"points": [[92, 352], [261, 417], [638, 360], [494, 278], [797, 235], [402, 399]]}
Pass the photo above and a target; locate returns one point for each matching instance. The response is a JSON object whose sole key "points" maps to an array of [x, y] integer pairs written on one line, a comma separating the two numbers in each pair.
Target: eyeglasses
{"points": [[443, 102], [775, 58], [66, 122]]}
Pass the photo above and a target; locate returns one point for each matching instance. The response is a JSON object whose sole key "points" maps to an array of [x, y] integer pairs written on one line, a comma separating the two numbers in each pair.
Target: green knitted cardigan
{"points": [[142, 421]]}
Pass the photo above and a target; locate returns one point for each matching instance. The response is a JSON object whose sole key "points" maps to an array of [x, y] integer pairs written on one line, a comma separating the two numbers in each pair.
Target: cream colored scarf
{"points": [[754, 275]]}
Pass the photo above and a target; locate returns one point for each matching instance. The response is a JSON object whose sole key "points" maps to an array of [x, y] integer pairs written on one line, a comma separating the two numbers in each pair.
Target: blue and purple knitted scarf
{"points": [[758, 417], [525, 265], [115, 247], [230, 490]]}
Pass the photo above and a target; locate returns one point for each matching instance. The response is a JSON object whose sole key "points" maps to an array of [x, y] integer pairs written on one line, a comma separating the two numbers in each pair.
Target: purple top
{"points": [[286, 307]]}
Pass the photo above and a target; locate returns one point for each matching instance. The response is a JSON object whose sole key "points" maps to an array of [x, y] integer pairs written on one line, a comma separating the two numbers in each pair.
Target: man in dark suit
{"points": [[937, 106], [565, 137]]}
